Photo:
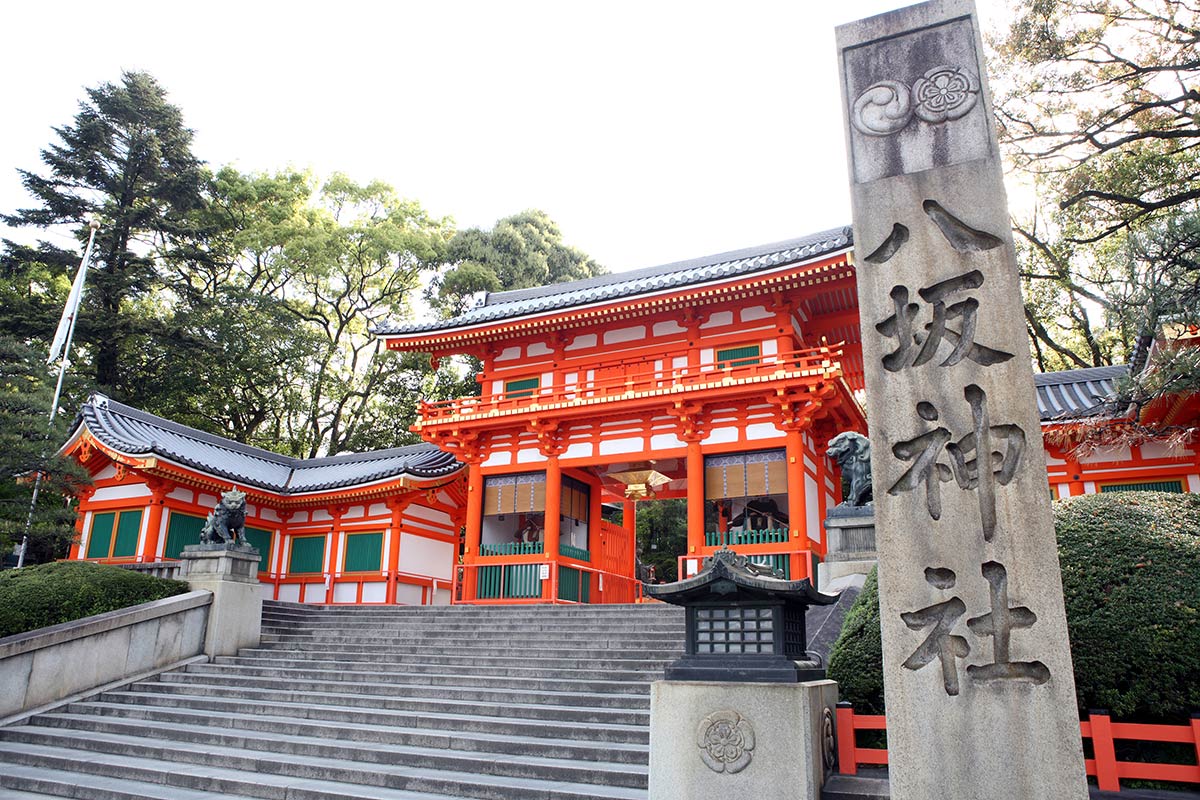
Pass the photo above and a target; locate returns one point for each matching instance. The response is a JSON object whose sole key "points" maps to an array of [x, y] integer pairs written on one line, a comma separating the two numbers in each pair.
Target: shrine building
{"points": [[719, 380]]}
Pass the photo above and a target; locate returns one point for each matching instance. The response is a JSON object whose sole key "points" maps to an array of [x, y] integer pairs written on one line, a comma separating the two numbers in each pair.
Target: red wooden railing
{"points": [[1098, 727], [608, 587], [658, 375]]}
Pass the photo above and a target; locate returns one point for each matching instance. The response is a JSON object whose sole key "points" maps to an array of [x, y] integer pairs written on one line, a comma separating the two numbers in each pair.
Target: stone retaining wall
{"points": [[49, 664]]}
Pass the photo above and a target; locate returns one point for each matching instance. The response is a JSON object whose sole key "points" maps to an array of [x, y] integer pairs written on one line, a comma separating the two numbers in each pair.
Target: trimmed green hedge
{"points": [[34, 597], [1131, 578]]}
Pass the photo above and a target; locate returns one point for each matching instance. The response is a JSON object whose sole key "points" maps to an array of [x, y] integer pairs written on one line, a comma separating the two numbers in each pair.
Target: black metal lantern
{"points": [[745, 622]]}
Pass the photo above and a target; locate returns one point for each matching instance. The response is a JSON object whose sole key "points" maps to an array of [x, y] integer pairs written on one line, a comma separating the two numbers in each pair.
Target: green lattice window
{"points": [[261, 540], [738, 356], [182, 530], [525, 387], [307, 554], [1150, 486], [364, 552], [115, 534]]}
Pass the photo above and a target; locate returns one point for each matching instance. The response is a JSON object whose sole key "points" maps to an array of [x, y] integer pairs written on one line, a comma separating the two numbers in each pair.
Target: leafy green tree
{"points": [[127, 160], [662, 535], [521, 251], [27, 447], [1099, 107]]}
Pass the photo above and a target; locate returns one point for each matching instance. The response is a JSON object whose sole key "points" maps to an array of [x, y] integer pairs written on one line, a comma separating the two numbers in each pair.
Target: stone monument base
{"points": [[749, 741], [850, 533], [230, 572]]}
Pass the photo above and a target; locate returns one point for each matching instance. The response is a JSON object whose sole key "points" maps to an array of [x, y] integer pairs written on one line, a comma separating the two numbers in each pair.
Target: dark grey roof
{"points": [[1078, 393], [520, 302], [137, 433]]}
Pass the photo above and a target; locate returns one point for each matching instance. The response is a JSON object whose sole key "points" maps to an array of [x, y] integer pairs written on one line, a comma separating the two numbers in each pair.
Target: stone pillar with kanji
{"points": [[978, 682]]}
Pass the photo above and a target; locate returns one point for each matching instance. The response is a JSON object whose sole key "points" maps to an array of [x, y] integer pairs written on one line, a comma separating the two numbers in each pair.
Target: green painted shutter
{"points": [[129, 525], [308, 554], [262, 541], [101, 535], [521, 388], [363, 552], [182, 530], [1153, 486], [737, 356]]}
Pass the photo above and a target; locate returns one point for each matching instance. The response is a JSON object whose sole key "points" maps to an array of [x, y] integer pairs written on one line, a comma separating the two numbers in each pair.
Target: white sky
{"points": [[651, 132]]}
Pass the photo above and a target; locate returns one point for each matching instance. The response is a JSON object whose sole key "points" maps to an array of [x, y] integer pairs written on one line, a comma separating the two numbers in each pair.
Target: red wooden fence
{"points": [[1098, 727]]}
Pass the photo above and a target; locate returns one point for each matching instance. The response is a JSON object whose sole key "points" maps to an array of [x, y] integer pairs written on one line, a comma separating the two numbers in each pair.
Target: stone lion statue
{"points": [[226, 523], [852, 452]]}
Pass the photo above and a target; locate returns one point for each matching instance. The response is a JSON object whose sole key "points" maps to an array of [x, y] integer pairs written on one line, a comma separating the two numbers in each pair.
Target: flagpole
{"points": [[93, 225]]}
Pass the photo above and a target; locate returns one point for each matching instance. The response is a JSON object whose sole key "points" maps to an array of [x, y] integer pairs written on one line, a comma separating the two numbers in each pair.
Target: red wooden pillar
{"points": [[85, 494], [629, 523], [847, 759], [695, 496], [553, 525], [335, 536], [1074, 477], [158, 495], [397, 506], [797, 503], [474, 526]]}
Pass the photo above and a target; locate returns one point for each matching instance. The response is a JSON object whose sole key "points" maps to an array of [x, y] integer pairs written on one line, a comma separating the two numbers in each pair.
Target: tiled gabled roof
{"points": [[137, 433], [613, 286], [1078, 393]]}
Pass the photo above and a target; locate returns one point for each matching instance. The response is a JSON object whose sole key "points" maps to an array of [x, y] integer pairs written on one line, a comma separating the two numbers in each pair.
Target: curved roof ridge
{"points": [[136, 432], [616, 285]]}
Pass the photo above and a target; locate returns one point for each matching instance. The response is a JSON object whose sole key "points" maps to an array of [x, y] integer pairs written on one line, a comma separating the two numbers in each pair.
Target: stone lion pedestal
{"points": [[230, 572], [744, 713]]}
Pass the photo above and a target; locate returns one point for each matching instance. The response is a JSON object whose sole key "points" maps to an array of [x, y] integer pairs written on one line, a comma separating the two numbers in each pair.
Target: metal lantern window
{"points": [[744, 623]]}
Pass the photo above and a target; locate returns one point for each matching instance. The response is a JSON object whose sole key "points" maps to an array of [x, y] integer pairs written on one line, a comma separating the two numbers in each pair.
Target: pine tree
{"points": [[127, 160]]}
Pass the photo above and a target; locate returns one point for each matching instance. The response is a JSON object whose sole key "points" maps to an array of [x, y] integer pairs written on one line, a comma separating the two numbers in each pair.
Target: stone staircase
{"points": [[395, 703]]}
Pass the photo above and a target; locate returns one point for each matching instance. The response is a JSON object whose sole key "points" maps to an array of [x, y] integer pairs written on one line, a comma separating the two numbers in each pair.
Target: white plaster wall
{"points": [[314, 593], [1193, 483], [633, 334], [289, 592], [320, 515], [108, 472], [762, 430], [1160, 450], [668, 327], [441, 597], [345, 593], [626, 445], [529, 456], [429, 514], [578, 450], [1107, 454], [509, 354], [721, 436], [755, 312], [355, 512], [179, 493], [269, 514], [121, 492], [206, 500], [581, 342], [374, 592], [379, 510], [498, 459], [666, 441], [719, 319], [300, 516], [407, 594], [538, 349], [770, 347], [812, 510], [1089, 487], [1064, 490], [420, 555]]}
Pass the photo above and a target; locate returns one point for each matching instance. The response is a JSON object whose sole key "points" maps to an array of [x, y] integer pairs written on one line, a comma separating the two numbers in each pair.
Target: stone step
{"points": [[516, 756], [482, 641], [404, 648], [571, 670], [346, 719], [631, 702], [242, 774], [239, 673], [600, 711], [472, 623], [518, 657]]}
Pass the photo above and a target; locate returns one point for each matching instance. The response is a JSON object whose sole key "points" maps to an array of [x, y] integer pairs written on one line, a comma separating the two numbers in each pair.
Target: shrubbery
{"points": [[48, 594], [1131, 577]]}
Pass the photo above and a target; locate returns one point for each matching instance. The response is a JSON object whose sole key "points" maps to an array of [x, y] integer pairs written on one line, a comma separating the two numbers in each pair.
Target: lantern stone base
{"points": [[759, 741], [230, 572]]}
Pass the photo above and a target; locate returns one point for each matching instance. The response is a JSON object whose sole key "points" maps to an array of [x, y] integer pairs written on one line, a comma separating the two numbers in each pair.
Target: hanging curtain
{"points": [[763, 472]]}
